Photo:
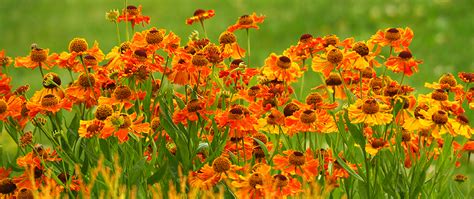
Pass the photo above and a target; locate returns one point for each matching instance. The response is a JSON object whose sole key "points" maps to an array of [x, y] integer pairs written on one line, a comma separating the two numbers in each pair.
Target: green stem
{"points": [[248, 47], [118, 32], [203, 27]]}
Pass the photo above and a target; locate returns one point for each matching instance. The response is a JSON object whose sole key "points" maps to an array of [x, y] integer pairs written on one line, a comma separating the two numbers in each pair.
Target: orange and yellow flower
{"points": [[369, 111], [134, 15], [281, 68], [38, 58], [200, 15], [246, 22]]}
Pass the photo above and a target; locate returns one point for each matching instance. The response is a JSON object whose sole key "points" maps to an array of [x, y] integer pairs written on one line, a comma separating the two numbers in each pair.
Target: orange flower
{"points": [[37, 57], [49, 103], [331, 60], [238, 118], [193, 110], [150, 39], [51, 85], [370, 112], [134, 16], [200, 15], [438, 121], [89, 129], [121, 95], [183, 72], [311, 121], [78, 48], [4, 60], [365, 55], [297, 163], [10, 107], [397, 38], [405, 63], [84, 90], [466, 77], [246, 22], [374, 145], [124, 125], [229, 46], [253, 184], [281, 68]]}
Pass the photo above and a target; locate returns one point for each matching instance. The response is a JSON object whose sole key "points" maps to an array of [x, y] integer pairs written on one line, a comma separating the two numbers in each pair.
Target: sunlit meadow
{"points": [[145, 99]]}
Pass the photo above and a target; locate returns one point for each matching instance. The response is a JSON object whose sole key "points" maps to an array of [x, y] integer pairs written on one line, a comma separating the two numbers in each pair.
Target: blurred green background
{"points": [[443, 29], [444, 37]]}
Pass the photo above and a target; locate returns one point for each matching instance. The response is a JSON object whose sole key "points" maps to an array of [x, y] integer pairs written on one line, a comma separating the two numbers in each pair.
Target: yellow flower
{"points": [[370, 112]]}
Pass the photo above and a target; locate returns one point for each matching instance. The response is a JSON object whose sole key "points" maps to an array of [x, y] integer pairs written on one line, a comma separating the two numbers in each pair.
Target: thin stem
{"points": [[302, 82], [41, 70], [164, 71], [201, 21], [248, 47], [118, 32]]}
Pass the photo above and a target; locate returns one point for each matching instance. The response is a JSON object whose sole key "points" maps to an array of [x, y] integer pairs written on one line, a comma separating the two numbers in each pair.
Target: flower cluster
{"points": [[166, 105]]}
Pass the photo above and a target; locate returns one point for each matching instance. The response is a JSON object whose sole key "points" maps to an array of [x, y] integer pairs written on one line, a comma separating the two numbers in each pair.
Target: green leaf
{"points": [[349, 169]]}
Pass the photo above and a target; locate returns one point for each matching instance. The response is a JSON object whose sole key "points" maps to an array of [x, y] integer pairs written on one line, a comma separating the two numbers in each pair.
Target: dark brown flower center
{"points": [[392, 34], [334, 56], [38, 55], [448, 79], [199, 12], [140, 55], [193, 105], [245, 20], [378, 143], [290, 109], [260, 136], [308, 117], [255, 179], [154, 37], [7, 186], [313, 99], [440, 117], [253, 91], [296, 158], [122, 92], [236, 63], [227, 38], [333, 80], [330, 40], [280, 180], [236, 113], [132, 10], [439, 95], [221, 164], [103, 111], [199, 60], [49, 100], [370, 106], [368, 72], [283, 62], [463, 119], [86, 81], [405, 55], [78, 45], [258, 152], [305, 38], [361, 48]]}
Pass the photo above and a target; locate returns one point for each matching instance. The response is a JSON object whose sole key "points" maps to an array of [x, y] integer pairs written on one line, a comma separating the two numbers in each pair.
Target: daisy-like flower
{"points": [[51, 85], [448, 82], [297, 163], [466, 77], [200, 15], [38, 58], [331, 60], [150, 39], [91, 128], [283, 186], [4, 60], [334, 41], [10, 107], [194, 109], [84, 90], [404, 62], [246, 22], [273, 123], [365, 55], [374, 145], [369, 111], [229, 46], [183, 71], [121, 95], [79, 48], [238, 118], [124, 125], [281, 68], [49, 104], [252, 185], [438, 121], [311, 121], [134, 16], [461, 126], [397, 38]]}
